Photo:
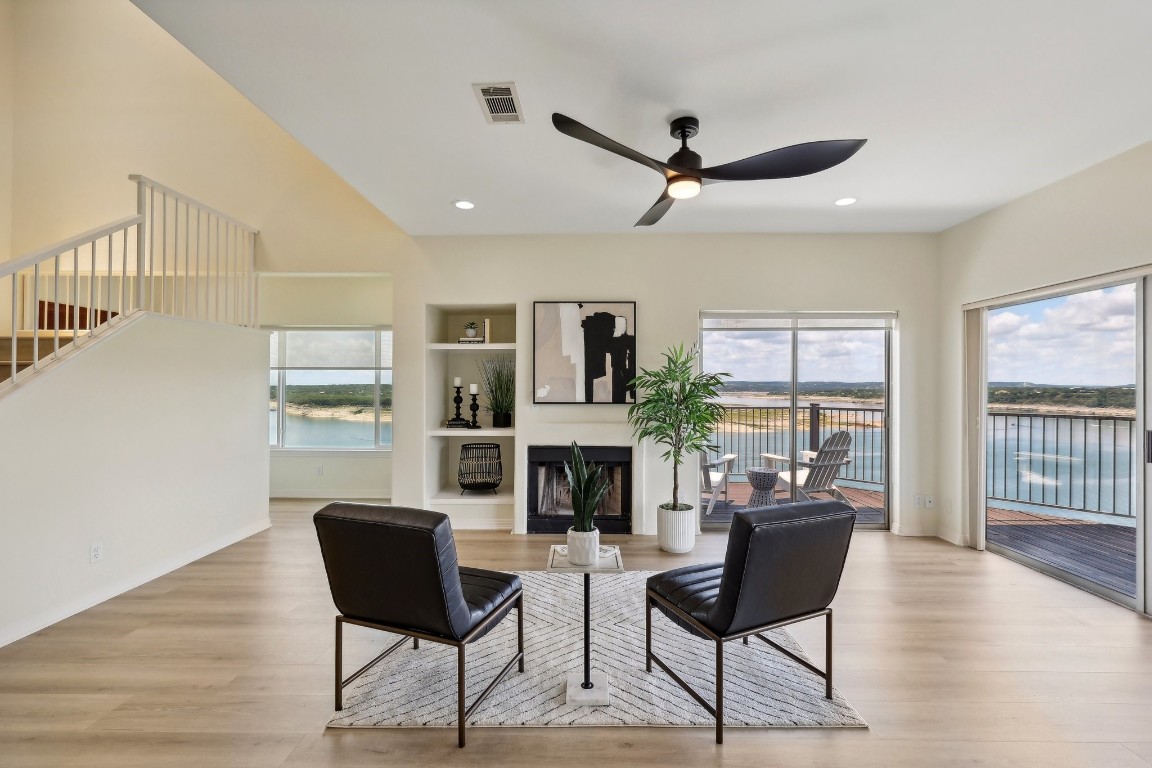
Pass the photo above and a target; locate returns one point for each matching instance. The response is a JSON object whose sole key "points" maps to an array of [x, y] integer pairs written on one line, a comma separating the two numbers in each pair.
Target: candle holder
{"points": [[474, 408], [458, 421]]}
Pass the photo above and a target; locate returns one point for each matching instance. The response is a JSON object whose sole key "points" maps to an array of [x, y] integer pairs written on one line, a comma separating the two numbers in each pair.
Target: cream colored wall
{"points": [[328, 300], [325, 300], [103, 92], [672, 278], [1089, 224], [171, 466], [7, 123]]}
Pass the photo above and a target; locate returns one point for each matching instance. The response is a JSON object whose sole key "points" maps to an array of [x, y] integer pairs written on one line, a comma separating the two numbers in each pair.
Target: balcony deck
{"points": [[1102, 553], [869, 504]]}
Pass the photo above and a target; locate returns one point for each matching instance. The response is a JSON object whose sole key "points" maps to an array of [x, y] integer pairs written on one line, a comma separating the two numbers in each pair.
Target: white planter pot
{"points": [[584, 547], [676, 529]]}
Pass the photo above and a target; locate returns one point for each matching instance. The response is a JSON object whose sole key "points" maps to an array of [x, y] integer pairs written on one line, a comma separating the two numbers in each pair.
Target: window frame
{"points": [[282, 370]]}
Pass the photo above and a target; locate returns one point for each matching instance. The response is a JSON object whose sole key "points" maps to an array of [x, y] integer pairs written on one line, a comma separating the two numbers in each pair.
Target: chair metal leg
{"points": [[415, 643], [460, 693], [828, 654], [339, 663], [520, 628], [719, 691], [648, 634]]}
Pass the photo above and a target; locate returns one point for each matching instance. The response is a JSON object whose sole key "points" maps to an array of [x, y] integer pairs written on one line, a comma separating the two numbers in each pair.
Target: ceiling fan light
{"points": [[683, 187]]}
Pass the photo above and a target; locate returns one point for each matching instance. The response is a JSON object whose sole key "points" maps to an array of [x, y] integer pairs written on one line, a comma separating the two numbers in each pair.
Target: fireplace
{"points": [[549, 498]]}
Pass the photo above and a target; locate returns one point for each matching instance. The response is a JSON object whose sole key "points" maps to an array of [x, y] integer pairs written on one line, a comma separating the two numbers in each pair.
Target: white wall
{"points": [[7, 108], [103, 92], [152, 442], [672, 278], [1089, 224], [328, 300]]}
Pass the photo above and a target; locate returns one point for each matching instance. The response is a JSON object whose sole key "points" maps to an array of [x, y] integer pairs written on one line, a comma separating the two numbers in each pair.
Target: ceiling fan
{"points": [[684, 175]]}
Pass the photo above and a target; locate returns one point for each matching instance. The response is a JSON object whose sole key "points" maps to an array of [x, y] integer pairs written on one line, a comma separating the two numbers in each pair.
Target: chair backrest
{"points": [[722, 464], [831, 457], [393, 565], [782, 561]]}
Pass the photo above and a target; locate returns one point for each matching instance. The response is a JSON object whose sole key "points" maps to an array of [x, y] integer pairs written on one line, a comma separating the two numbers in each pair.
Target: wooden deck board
{"points": [[1102, 553], [869, 504]]}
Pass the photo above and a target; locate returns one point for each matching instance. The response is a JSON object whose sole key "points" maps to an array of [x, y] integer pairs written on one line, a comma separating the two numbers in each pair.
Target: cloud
{"points": [[1086, 338], [823, 355]]}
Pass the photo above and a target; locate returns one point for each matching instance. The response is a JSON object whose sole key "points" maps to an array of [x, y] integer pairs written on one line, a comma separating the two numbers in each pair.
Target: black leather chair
{"points": [[782, 566], [395, 569]]}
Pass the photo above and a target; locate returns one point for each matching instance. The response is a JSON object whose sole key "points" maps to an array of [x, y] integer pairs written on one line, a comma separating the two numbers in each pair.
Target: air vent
{"points": [[499, 101]]}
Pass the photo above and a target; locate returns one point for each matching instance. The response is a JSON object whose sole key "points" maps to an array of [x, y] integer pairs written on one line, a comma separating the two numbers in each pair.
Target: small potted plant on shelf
{"points": [[587, 484], [470, 329], [498, 380], [676, 407]]}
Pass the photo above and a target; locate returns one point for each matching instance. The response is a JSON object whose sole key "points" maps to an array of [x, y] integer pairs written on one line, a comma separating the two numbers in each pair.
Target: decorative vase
{"points": [[676, 529], [501, 420], [583, 546], [470, 332]]}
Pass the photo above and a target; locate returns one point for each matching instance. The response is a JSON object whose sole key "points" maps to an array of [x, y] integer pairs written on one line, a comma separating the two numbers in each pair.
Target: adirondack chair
{"points": [[817, 469], [715, 477]]}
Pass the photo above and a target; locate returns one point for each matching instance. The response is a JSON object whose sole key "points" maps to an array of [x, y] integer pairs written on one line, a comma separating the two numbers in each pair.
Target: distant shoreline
{"points": [[339, 412]]}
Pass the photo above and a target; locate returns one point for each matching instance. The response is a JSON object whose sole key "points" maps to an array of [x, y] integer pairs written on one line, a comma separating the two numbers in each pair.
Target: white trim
{"points": [[378, 494], [12, 267], [21, 629], [330, 453], [1078, 285]]}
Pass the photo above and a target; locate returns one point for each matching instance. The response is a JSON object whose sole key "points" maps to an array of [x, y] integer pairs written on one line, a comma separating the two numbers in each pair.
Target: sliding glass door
{"points": [[1063, 437], [798, 379]]}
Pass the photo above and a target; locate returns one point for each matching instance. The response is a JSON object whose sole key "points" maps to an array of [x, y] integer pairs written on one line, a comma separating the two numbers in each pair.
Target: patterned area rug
{"points": [[761, 686]]}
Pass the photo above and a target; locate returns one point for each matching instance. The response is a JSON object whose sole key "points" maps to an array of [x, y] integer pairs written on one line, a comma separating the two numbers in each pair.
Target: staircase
{"points": [[176, 256], [30, 347]]}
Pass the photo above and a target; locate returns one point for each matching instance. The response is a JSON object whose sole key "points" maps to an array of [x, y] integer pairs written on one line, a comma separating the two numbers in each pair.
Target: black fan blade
{"points": [[657, 211], [785, 163], [570, 127]]}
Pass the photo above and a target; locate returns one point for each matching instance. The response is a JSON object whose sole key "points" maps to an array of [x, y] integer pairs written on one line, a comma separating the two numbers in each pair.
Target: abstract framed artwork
{"points": [[583, 351]]}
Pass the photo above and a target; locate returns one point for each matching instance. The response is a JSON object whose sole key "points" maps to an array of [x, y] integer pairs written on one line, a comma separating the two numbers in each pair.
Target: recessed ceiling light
{"points": [[846, 201], [467, 205]]}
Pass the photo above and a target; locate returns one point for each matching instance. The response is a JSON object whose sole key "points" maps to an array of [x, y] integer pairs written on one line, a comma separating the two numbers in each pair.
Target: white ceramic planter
{"points": [[676, 529], [584, 547]]}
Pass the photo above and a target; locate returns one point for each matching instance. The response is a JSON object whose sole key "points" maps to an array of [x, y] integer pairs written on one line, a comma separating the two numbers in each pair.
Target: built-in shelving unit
{"points": [[446, 359]]}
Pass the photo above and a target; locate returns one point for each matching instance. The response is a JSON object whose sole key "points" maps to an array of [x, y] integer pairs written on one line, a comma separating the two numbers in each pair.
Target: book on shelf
{"points": [[471, 339], [486, 329]]}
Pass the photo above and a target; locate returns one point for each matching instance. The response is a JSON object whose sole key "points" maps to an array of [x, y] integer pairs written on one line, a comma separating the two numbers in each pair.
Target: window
{"points": [[330, 389]]}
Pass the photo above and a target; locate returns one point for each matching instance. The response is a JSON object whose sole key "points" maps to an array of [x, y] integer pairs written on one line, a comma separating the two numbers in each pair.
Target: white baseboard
{"points": [[20, 629], [330, 493]]}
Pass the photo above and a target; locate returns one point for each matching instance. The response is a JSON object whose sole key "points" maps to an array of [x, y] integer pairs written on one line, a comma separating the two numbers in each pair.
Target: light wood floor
{"points": [[955, 658]]}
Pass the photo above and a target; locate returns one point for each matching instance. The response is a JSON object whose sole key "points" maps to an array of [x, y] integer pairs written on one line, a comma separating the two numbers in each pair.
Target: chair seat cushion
{"points": [[485, 590], [693, 589]]}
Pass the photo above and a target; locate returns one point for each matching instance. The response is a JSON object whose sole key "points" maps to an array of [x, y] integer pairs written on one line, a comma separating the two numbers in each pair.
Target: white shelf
{"points": [[506, 346], [482, 432], [502, 498]]}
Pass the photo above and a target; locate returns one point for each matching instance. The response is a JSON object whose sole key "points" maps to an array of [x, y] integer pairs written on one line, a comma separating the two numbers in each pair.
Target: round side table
{"points": [[763, 482]]}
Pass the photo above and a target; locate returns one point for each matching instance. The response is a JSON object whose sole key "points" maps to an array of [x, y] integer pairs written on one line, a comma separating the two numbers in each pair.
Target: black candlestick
{"points": [[457, 421], [474, 408]]}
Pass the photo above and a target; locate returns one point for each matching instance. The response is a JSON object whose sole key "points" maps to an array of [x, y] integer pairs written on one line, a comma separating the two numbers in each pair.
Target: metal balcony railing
{"points": [[1080, 463]]}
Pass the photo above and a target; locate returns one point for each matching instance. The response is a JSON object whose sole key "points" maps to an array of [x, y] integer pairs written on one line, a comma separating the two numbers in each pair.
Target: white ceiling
{"points": [[966, 104]]}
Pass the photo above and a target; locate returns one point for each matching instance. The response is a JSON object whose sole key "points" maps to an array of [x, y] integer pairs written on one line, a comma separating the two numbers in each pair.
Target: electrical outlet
{"points": [[919, 499], [97, 553], [319, 470], [929, 502]]}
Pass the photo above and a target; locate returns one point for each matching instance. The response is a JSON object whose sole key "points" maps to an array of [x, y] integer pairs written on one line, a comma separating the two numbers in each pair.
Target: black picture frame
{"points": [[583, 352]]}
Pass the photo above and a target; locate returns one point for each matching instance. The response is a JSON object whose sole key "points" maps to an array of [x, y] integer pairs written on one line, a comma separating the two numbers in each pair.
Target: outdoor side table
{"points": [[763, 482], [591, 689]]}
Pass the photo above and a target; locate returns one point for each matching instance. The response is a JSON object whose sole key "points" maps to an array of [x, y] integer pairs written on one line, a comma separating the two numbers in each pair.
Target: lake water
{"points": [[303, 432]]}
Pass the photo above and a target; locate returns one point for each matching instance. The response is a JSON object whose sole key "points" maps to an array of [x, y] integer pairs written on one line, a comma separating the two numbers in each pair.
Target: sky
{"points": [[765, 355], [1085, 338]]}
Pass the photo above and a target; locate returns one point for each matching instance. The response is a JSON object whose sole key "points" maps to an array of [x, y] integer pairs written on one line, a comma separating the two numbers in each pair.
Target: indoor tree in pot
{"points": [[498, 380], [676, 407], [587, 484]]}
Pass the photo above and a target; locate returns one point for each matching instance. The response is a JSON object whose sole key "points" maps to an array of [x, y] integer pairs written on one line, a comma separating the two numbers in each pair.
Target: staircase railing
{"points": [[176, 256]]}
